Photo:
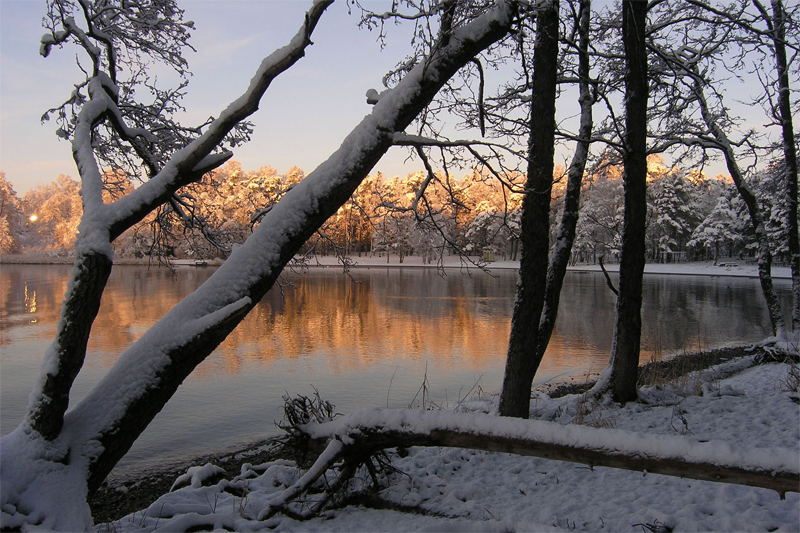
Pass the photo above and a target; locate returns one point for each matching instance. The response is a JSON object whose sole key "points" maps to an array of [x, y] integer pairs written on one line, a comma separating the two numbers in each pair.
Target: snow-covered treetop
{"points": [[121, 42]]}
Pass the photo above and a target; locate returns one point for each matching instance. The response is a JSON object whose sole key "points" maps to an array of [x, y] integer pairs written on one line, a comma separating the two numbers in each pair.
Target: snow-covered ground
{"points": [[462, 490], [697, 268]]}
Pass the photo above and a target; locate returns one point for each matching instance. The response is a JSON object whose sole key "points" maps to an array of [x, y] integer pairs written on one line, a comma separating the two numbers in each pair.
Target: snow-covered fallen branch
{"points": [[354, 438]]}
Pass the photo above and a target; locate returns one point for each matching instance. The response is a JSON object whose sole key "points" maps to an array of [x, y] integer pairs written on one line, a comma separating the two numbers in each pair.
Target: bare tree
{"points": [[535, 226], [57, 457], [778, 24], [687, 60], [751, 201], [773, 33]]}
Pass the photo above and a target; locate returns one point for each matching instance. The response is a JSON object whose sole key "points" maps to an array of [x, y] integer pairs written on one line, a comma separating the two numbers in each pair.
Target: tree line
{"points": [[689, 216]]}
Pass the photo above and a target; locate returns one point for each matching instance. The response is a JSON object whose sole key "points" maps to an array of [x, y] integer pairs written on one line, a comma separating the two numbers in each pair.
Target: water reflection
{"points": [[364, 340]]}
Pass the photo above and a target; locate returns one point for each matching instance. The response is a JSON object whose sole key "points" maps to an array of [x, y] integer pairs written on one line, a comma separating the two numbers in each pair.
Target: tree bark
{"points": [[101, 223], [764, 255], [627, 334], [789, 151], [521, 361], [66, 355]]}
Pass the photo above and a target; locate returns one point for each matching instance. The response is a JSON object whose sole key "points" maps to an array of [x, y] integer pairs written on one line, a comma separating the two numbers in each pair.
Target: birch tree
{"points": [[57, 457]]}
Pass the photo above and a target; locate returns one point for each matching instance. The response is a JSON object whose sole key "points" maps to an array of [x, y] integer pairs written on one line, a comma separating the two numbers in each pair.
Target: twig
{"points": [[608, 278]]}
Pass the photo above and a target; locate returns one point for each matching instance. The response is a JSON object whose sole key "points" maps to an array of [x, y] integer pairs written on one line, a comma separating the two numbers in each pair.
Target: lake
{"points": [[368, 339]]}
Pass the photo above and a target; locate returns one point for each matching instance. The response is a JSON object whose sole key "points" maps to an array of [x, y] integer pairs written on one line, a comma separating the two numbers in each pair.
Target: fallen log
{"points": [[353, 439]]}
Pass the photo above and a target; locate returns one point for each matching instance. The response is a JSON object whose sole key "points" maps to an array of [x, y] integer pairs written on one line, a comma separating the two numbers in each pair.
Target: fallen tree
{"points": [[354, 440]]}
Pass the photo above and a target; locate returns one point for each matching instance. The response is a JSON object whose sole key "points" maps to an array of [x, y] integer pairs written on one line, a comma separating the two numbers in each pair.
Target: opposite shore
{"points": [[726, 267]]}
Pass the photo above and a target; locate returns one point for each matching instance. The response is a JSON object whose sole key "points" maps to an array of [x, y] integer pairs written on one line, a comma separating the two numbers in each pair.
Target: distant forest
{"points": [[690, 216]]}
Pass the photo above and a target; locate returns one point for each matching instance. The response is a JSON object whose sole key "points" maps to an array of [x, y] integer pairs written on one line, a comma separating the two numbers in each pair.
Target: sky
{"points": [[303, 118]]}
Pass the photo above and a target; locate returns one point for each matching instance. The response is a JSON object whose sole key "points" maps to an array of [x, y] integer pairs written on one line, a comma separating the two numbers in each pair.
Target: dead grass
{"points": [[677, 371], [589, 414]]}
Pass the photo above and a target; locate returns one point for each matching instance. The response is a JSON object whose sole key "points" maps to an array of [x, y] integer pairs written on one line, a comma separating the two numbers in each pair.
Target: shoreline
{"points": [[134, 491], [740, 269]]}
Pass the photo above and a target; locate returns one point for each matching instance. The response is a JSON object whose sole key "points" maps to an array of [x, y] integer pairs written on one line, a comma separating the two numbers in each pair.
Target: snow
{"points": [[198, 476], [373, 97], [748, 416], [54, 493], [698, 268]]}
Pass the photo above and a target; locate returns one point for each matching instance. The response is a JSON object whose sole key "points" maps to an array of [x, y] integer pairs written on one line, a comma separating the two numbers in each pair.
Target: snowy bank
{"points": [[697, 268], [461, 490]]}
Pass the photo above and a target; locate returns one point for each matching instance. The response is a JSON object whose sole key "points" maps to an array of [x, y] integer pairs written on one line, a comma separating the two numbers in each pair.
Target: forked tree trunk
{"points": [[98, 431], [569, 218], [627, 332], [535, 226], [102, 223]]}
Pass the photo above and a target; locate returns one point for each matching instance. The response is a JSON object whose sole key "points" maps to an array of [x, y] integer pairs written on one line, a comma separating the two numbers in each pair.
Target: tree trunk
{"points": [[102, 223], [627, 334], [535, 226], [66, 355], [764, 255], [789, 150], [569, 219]]}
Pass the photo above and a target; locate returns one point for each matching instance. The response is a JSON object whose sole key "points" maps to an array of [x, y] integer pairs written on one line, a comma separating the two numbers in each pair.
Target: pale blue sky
{"points": [[303, 118]]}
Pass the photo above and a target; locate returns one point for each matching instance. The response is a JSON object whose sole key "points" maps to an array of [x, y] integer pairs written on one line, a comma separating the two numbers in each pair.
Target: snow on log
{"points": [[367, 431]]}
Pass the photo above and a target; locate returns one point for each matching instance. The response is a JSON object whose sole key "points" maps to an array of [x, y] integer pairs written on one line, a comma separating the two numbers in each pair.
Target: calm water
{"points": [[366, 340]]}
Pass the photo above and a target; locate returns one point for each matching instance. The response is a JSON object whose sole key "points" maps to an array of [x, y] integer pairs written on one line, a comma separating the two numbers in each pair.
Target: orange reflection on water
{"points": [[30, 300], [456, 323], [354, 323], [344, 324]]}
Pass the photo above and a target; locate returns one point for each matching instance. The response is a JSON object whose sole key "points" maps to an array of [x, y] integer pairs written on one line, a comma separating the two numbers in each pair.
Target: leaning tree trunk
{"points": [[569, 219], [535, 226], [627, 333], [102, 223], [789, 151], [149, 372], [753, 208], [764, 255]]}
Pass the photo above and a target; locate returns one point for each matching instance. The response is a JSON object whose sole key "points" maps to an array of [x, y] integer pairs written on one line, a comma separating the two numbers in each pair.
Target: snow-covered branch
{"points": [[740, 19], [134, 389], [179, 170], [405, 139]]}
